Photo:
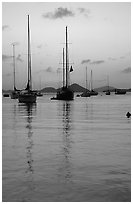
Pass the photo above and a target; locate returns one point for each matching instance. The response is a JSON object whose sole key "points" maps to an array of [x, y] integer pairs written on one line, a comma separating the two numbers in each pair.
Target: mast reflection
{"points": [[67, 141], [28, 110], [30, 140], [15, 125]]}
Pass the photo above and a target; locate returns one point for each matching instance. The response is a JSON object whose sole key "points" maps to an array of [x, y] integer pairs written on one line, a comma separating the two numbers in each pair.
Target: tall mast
{"points": [[108, 82], [86, 79], [63, 69], [29, 58], [14, 65], [40, 82], [66, 60], [91, 88]]}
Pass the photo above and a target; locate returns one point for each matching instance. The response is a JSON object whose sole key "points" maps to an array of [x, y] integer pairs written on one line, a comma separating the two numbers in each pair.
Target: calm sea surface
{"points": [[67, 151]]}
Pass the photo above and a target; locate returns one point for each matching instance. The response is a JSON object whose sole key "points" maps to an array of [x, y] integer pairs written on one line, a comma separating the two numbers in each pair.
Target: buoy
{"points": [[128, 115]]}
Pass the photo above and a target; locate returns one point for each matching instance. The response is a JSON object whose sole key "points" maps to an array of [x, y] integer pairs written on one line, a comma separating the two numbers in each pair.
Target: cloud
{"points": [[4, 27], [81, 10], [19, 58], [128, 54], [97, 62], [59, 13], [85, 61], [84, 11], [127, 70], [6, 57], [93, 62], [49, 69], [15, 43], [111, 58], [122, 57]]}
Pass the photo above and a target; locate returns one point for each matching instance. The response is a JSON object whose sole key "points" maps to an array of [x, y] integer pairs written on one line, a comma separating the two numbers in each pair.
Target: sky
{"points": [[99, 36]]}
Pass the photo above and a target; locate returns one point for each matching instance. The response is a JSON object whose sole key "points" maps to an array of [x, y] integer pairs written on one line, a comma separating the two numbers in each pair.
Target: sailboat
{"points": [[15, 92], [38, 93], [27, 95], [120, 91], [86, 93], [65, 93], [92, 92], [108, 91]]}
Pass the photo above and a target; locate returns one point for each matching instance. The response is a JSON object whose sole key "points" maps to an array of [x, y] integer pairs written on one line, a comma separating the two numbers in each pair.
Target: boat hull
{"points": [[6, 95], [27, 98], [93, 93], [65, 94], [85, 94], [107, 93], [14, 95], [120, 93]]}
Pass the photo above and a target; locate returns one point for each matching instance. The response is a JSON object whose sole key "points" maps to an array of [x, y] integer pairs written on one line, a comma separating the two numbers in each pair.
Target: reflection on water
{"points": [[28, 110], [65, 169], [14, 123], [86, 111], [29, 139], [67, 151], [67, 140]]}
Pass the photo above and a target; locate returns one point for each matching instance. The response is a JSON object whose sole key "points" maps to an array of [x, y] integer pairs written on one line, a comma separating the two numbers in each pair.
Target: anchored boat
{"points": [[108, 91], [92, 92], [120, 91], [65, 93], [15, 92], [27, 95], [86, 93]]}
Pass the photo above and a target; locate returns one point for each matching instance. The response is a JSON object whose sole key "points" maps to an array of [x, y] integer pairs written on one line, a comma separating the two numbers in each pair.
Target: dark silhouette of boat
{"points": [[120, 91], [92, 92], [15, 92], [27, 95], [39, 93], [65, 92], [86, 93], [108, 91], [6, 95]]}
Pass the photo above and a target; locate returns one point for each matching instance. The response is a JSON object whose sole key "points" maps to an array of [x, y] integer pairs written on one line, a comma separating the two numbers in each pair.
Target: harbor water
{"points": [[67, 151]]}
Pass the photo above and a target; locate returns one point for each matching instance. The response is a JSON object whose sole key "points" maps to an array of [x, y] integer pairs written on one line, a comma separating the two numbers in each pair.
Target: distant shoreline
{"points": [[76, 88]]}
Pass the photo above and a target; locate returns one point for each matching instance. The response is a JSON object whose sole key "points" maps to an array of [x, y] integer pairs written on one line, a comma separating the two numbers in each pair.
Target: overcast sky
{"points": [[99, 36]]}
